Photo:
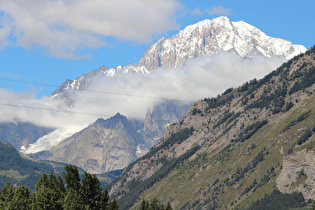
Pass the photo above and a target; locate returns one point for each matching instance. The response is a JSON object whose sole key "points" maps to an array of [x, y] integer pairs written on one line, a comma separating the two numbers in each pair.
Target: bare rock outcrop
{"points": [[298, 174]]}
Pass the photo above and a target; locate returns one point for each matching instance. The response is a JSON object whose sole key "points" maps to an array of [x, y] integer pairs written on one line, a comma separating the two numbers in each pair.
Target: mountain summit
{"points": [[207, 37]]}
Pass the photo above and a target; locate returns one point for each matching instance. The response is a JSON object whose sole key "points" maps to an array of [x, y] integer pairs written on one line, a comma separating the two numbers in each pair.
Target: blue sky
{"points": [[51, 41]]}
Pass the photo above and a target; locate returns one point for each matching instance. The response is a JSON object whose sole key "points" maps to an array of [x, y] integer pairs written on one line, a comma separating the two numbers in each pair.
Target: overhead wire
{"points": [[70, 112], [48, 109], [27, 82], [78, 112], [98, 91]]}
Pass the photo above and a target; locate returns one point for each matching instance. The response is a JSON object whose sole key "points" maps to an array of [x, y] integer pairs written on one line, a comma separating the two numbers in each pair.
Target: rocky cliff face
{"points": [[106, 145], [163, 115], [230, 150], [112, 144], [298, 173]]}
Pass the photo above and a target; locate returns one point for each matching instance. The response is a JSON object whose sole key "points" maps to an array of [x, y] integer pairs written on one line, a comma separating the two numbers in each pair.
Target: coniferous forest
{"points": [[52, 193]]}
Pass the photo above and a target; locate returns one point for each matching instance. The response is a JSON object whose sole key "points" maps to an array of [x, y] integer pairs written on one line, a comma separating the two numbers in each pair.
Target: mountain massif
{"points": [[232, 150], [205, 38]]}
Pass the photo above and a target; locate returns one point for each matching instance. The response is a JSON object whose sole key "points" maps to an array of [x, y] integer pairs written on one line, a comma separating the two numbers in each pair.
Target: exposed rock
{"points": [[163, 115], [104, 146], [298, 174]]}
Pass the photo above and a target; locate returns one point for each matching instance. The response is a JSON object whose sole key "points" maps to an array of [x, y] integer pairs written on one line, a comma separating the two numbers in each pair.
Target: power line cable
{"points": [[27, 82], [99, 91], [138, 96], [48, 109], [88, 90], [69, 112]]}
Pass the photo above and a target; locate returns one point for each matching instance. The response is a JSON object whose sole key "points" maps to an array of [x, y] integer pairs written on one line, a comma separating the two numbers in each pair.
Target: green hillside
{"points": [[233, 150], [20, 169], [20, 134]]}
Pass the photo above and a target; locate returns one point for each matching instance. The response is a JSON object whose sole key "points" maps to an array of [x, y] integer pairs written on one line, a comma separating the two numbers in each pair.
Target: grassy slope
{"points": [[193, 180]]}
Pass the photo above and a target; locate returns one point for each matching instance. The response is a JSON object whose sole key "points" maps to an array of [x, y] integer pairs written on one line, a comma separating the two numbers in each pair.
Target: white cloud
{"points": [[219, 10], [61, 27], [199, 78], [5, 30], [197, 12]]}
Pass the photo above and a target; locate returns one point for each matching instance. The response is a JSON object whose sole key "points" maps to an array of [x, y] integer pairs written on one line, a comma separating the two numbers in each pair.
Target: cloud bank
{"points": [[61, 27], [132, 94]]}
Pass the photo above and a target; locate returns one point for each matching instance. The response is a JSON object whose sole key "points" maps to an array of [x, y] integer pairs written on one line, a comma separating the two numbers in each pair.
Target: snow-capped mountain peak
{"points": [[206, 37], [209, 37]]}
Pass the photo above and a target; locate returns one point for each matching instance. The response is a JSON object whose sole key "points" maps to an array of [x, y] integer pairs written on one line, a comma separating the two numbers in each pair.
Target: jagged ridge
{"points": [[104, 146]]}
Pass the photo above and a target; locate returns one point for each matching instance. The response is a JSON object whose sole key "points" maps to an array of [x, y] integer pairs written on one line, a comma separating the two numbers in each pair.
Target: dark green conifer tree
{"points": [[21, 199], [155, 204], [72, 178], [113, 205], [73, 197], [168, 206], [49, 193], [6, 195], [103, 204], [144, 205], [91, 190], [73, 200]]}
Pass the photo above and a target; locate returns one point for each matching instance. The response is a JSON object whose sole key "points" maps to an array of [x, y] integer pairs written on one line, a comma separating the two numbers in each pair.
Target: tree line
{"points": [[51, 193]]}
